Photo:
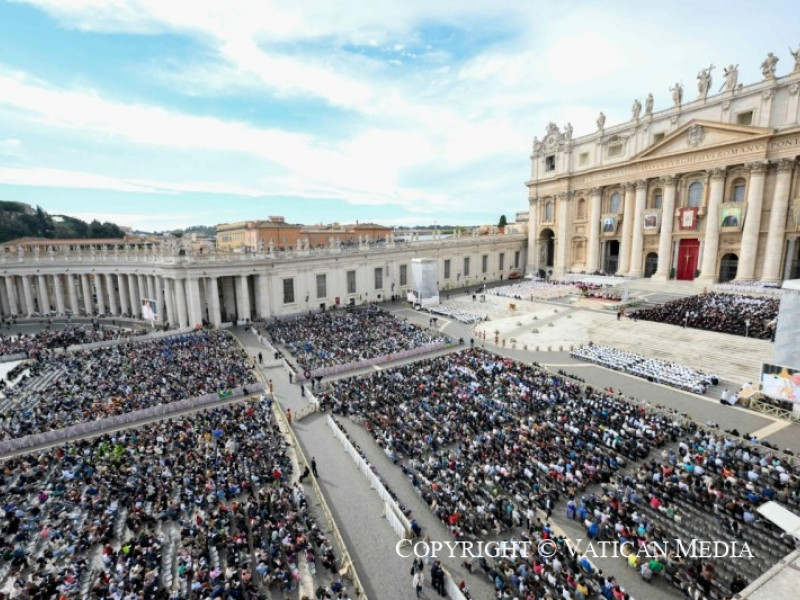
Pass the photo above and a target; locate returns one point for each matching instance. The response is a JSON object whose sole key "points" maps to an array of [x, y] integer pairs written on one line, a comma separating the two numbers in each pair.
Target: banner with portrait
{"points": [[731, 216], [609, 223], [652, 221], [149, 310], [687, 218]]}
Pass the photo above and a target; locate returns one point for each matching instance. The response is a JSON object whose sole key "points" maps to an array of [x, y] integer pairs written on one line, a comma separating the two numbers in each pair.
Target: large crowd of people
{"points": [[337, 337], [652, 369], [707, 488], [53, 337], [536, 289], [197, 507], [727, 313], [74, 387], [483, 439]]}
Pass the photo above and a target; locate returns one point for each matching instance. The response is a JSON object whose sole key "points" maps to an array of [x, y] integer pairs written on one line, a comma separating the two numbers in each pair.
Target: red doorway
{"points": [[688, 251]]}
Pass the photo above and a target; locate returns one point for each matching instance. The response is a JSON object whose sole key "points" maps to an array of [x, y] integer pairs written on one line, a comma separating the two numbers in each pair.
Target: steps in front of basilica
{"points": [[733, 358]]}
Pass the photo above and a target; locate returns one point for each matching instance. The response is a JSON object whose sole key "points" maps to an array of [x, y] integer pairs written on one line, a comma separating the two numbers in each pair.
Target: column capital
{"points": [[669, 180], [533, 200], [785, 164], [641, 184], [597, 191], [717, 173], [758, 167], [629, 185], [567, 196]]}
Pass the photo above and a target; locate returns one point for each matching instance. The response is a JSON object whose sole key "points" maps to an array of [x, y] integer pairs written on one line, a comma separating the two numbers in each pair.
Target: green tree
{"points": [[503, 222]]}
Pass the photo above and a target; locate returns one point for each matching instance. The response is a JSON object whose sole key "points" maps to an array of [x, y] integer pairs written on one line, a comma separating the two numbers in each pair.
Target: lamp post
{"points": [[747, 328]]}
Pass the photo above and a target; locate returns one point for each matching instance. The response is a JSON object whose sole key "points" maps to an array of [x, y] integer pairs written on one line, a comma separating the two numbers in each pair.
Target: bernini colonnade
{"points": [[118, 277]]}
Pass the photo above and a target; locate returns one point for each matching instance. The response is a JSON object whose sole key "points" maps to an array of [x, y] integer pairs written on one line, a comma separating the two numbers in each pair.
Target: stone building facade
{"points": [[707, 188], [185, 287]]}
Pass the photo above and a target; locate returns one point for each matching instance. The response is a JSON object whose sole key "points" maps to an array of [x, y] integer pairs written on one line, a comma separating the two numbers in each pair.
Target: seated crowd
{"points": [[26, 343], [484, 439], [708, 489], [460, 315], [85, 385], [726, 313], [652, 369], [196, 507], [338, 337], [759, 288], [535, 289]]}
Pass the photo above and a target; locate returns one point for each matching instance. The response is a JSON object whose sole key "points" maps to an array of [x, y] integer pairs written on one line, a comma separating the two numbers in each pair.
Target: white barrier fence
{"points": [[124, 420], [395, 516]]}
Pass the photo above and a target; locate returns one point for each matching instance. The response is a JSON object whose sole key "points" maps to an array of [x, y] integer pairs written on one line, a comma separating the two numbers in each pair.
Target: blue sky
{"points": [[165, 113]]}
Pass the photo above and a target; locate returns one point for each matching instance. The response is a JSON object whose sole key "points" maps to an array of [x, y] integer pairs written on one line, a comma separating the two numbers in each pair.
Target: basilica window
{"points": [[695, 194], [656, 199], [614, 203], [738, 190], [582, 208], [548, 212]]}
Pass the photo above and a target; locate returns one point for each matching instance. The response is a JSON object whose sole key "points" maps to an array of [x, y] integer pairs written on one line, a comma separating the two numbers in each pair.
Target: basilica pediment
{"points": [[699, 135]]}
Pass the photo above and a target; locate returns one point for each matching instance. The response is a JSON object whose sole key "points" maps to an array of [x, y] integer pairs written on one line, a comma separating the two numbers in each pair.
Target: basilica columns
{"points": [[72, 292], [593, 252], [262, 295], [27, 293], [86, 289], [533, 234], [627, 229], [242, 298], [752, 222], [13, 305], [563, 239], [43, 294], [159, 285], [637, 241], [193, 299], [180, 300], [98, 286], [59, 292], [708, 270], [112, 294], [667, 222], [777, 222], [169, 300], [124, 295]]}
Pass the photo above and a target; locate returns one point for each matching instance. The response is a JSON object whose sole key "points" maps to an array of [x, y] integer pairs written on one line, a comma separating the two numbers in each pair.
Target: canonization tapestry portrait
{"points": [[652, 221], [688, 218], [731, 217], [609, 224]]}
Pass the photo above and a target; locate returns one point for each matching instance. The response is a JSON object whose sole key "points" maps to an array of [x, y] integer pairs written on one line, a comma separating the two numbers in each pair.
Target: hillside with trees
{"points": [[19, 220]]}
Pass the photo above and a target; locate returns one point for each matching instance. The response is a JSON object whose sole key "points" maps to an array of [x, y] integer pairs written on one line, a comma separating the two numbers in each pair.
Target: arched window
{"points": [[695, 194], [614, 203], [548, 212], [656, 198], [582, 208], [738, 190]]}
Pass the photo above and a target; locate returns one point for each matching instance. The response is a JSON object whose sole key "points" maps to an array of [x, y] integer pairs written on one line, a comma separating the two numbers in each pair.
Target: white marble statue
{"points": [[648, 105], [677, 94], [796, 55], [768, 66], [731, 78], [636, 109], [601, 121], [704, 82], [568, 131]]}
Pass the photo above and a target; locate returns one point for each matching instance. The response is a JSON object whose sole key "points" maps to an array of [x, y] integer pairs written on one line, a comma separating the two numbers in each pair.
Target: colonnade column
{"points": [[708, 269], [180, 300], [752, 221], [771, 270], [151, 288], [13, 305], [98, 286], [113, 308], [43, 294], [637, 242], [665, 237], [132, 292], [262, 295], [169, 300], [193, 298], [88, 305], [213, 302], [4, 300], [72, 291], [593, 252], [124, 295], [59, 292], [242, 297], [532, 265], [27, 292], [159, 285]]}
